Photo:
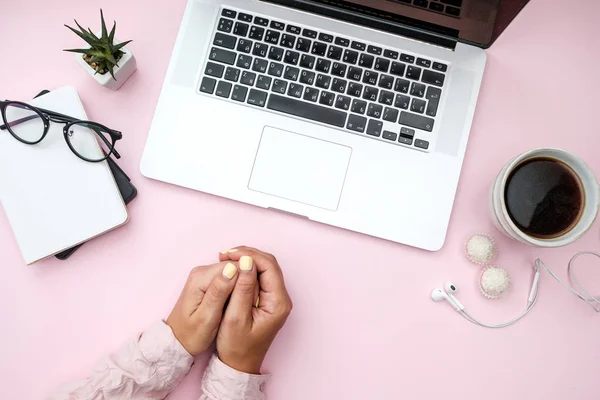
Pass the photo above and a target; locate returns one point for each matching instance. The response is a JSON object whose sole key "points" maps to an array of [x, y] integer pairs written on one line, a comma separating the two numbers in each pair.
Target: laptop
{"points": [[352, 113]]}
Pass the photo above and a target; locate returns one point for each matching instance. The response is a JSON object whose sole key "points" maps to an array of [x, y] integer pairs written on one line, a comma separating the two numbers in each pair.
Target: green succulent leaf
{"points": [[104, 31], [111, 36], [82, 51], [120, 46]]}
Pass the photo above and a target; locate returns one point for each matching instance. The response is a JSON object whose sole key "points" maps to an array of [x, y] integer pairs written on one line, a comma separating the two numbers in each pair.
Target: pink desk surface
{"points": [[363, 326]]}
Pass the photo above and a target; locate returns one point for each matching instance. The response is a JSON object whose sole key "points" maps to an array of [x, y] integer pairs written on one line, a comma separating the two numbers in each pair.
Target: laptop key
{"points": [[208, 85], [276, 53], [327, 98], [374, 110], [244, 61], [319, 49], [417, 89], [397, 68], [309, 33], [225, 25], [359, 106], [386, 82], [354, 89], [386, 98], [307, 77], [311, 94], [293, 29], [359, 46], [390, 114], [339, 69], [402, 101], [374, 128], [343, 102], [295, 90], [241, 29], [263, 82], [277, 25], [288, 41], [453, 11], [374, 50], [390, 135], [335, 53], [371, 78], [350, 56], [232, 74], [248, 78], [279, 86], [440, 67], [260, 65], [371, 93], [213, 69], [257, 98], [404, 140], [433, 78], [381, 64], [291, 57], [433, 95], [223, 40], [245, 17], [275, 69], [261, 21], [323, 65], [366, 61], [307, 61], [326, 37], [303, 45], [356, 123], [260, 49], [391, 54], [342, 41], [306, 110], [354, 73], [418, 106], [436, 7], [423, 62], [291, 73], [256, 33], [401, 85], [422, 144], [413, 72], [223, 89], [224, 56], [244, 46], [407, 58], [323, 81], [421, 3], [272, 37], [228, 13], [416, 121], [339, 85], [407, 132]]}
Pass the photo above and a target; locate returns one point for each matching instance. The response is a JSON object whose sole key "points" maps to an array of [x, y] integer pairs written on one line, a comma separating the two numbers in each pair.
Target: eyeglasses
{"points": [[30, 125]]}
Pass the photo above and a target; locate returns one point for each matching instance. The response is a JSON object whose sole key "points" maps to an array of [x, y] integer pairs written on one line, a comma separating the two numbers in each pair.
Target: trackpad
{"points": [[300, 168]]}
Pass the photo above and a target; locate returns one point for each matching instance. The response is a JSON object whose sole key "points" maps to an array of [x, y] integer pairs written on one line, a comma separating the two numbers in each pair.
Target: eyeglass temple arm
{"points": [[54, 116], [108, 144], [18, 121]]}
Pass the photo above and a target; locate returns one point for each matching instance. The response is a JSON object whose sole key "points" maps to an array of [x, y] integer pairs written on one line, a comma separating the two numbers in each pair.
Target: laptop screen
{"points": [[478, 22]]}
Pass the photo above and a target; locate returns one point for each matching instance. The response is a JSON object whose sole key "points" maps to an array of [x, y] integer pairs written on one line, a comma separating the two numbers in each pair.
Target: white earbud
{"points": [[451, 289], [439, 295]]}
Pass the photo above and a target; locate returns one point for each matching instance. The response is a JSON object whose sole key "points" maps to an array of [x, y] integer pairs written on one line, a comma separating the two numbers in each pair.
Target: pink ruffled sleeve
{"points": [[149, 366], [221, 382]]}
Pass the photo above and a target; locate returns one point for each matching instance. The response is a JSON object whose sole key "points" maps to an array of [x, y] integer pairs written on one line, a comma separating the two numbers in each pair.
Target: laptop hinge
{"points": [[373, 19]]}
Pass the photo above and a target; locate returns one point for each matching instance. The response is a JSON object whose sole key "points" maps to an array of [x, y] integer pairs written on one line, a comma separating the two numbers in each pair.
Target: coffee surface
{"points": [[544, 197]]}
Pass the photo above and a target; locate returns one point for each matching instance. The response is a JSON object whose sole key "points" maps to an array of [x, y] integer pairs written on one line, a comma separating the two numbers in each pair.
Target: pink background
{"points": [[363, 326]]}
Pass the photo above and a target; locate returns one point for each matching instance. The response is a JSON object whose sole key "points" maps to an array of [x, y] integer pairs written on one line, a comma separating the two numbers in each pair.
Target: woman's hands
{"points": [[196, 317], [249, 326]]}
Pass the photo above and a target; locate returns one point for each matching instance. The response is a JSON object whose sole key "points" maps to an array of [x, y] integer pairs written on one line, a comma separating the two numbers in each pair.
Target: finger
{"points": [[196, 285], [224, 254], [270, 275], [218, 292], [243, 297]]}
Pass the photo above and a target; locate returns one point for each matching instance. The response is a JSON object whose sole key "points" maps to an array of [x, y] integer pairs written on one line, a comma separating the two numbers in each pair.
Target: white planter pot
{"points": [[123, 71]]}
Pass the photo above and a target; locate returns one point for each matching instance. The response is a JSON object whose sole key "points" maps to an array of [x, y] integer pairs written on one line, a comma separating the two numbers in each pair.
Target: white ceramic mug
{"points": [[590, 185]]}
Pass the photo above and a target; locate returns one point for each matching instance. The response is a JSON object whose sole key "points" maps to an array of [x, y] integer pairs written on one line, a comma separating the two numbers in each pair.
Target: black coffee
{"points": [[544, 197]]}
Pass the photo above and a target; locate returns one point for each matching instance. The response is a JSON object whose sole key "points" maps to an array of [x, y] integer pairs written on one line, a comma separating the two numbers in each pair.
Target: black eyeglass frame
{"points": [[47, 116]]}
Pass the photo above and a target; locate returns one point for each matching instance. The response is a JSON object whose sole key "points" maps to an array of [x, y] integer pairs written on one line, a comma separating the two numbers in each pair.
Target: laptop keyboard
{"points": [[447, 7], [319, 76]]}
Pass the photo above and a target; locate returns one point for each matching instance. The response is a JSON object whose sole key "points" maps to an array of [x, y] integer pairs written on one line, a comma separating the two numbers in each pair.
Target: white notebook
{"points": [[53, 199]]}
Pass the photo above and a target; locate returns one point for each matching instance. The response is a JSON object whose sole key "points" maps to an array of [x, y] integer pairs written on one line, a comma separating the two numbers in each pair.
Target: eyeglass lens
{"points": [[24, 123], [89, 140]]}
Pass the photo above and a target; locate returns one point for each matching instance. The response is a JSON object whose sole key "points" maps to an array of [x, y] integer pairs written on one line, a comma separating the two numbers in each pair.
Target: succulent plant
{"points": [[102, 55]]}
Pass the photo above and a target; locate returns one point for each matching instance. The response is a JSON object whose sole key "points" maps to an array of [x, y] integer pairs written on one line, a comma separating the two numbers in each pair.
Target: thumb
{"points": [[243, 297], [219, 291]]}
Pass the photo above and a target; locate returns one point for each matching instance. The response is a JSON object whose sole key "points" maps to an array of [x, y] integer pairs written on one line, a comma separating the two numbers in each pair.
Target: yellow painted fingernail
{"points": [[246, 263], [257, 302], [224, 251], [232, 250], [229, 271]]}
